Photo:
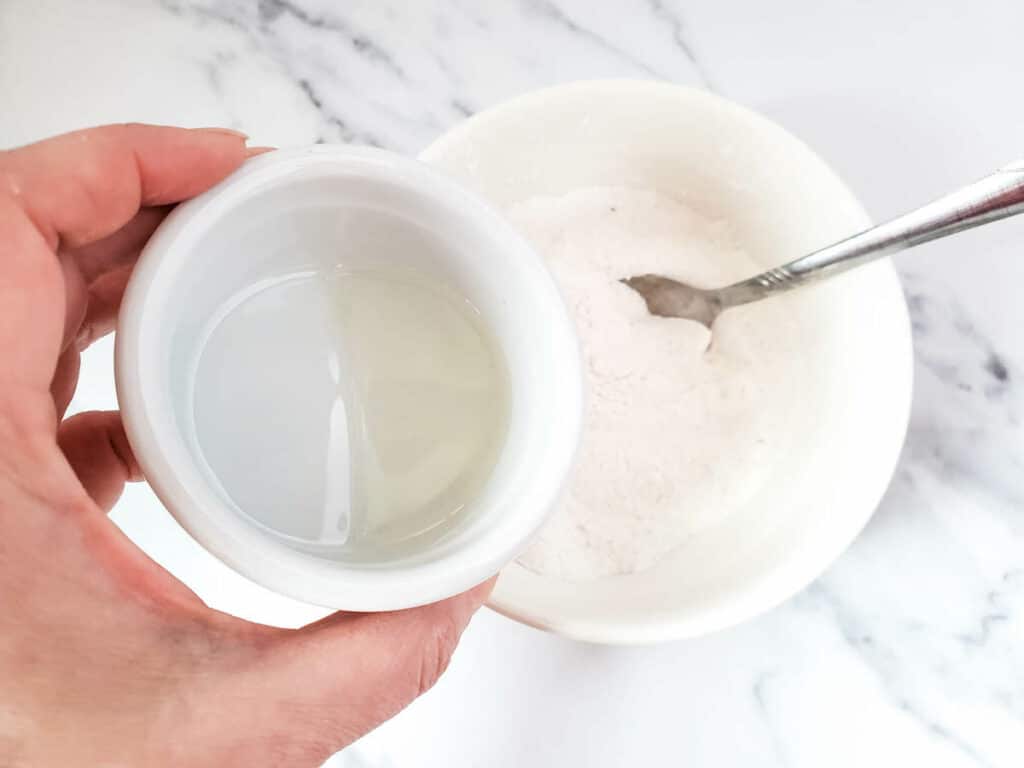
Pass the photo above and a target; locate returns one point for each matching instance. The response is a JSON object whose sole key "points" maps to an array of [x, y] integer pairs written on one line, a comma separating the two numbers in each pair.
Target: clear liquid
{"points": [[355, 414]]}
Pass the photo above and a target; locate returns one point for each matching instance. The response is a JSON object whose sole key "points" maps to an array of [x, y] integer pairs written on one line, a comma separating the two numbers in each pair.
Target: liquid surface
{"points": [[353, 413]]}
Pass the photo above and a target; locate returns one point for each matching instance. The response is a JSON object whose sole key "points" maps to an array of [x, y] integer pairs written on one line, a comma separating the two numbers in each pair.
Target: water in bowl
{"points": [[353, 414]]}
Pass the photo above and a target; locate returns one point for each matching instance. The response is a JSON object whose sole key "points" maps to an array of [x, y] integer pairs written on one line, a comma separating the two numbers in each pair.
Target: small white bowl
{"points": [[323, 207], [783, 201]]}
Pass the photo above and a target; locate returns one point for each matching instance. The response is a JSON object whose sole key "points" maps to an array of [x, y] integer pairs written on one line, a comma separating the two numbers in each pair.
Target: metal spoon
{"points": [[989, 199]]}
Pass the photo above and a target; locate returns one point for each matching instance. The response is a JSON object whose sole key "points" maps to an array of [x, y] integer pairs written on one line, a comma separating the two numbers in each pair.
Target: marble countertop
{"points": [[910, 649]]}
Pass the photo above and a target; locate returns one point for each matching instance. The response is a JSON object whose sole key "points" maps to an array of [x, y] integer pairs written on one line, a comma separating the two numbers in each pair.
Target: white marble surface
{"points": [[910, 649]]}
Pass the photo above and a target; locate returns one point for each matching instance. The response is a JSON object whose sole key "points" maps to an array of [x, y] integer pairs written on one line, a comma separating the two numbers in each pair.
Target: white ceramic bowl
{"points": [[783, 201], [319, 208]]}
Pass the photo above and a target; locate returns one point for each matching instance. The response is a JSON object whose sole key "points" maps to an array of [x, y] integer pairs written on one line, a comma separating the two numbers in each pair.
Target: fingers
{"points": [[84, 186], [65, 379], [120, 248], [104, 301], [104, 267], [95, 276], [78, 189], [91, 308], [75, 297], [95, 445], [32, 300], [322, 687]]}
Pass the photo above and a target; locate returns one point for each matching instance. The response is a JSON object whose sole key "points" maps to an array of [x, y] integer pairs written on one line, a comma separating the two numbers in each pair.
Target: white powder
{"points": [[677, 437]]}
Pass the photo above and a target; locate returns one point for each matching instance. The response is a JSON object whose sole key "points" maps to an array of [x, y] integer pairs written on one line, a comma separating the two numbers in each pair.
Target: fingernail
{"points": [[224, 132], [253, 151]]}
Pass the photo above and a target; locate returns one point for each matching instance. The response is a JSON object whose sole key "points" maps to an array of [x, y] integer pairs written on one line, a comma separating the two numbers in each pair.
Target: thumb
{"points": [[315, 690]]}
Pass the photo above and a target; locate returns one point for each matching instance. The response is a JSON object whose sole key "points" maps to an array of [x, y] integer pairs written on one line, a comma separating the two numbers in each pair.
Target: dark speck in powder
{"points": [[612, 209], [995, 366]]}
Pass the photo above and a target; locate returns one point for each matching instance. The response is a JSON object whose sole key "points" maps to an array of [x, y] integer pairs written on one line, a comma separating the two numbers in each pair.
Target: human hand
{"points": [[105, 658]]}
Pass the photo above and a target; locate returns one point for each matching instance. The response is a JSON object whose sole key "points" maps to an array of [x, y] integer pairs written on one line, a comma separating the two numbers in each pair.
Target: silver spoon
{"points": [[989, 199]]}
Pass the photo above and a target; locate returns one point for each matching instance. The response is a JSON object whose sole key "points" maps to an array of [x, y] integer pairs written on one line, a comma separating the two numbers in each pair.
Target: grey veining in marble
{"points": [[910, 649]]}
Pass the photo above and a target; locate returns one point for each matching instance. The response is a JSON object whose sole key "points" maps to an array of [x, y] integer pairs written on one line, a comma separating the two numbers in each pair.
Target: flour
{"points": [[677, 436]]}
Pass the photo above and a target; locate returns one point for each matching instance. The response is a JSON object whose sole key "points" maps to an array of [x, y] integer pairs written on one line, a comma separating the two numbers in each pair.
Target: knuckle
{"points": [[436, 653]]}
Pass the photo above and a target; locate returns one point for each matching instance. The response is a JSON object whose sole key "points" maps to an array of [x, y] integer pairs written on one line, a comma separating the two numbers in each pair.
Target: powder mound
{"points": [[675, 437]]}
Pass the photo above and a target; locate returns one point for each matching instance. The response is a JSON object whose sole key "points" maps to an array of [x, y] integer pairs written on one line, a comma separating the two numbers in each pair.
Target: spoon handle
{"points": [[994, 197]]}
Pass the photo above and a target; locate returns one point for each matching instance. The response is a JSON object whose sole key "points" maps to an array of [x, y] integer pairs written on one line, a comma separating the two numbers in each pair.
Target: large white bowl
{"points": [[783, 201]]}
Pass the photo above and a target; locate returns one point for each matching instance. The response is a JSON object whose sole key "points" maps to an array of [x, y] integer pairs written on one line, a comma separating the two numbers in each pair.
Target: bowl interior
{"points": [[305, 212], [781, 201]]}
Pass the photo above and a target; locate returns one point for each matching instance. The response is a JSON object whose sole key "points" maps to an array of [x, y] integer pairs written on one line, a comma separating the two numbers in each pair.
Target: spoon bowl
{"points": [[666, 297]]}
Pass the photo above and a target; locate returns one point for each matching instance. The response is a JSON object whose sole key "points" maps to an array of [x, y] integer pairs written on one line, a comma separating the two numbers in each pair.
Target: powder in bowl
{"points": [[677, 435]]}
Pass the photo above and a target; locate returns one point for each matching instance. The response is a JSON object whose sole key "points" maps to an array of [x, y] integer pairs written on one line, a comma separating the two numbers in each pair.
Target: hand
{"points": [[106, 659]]}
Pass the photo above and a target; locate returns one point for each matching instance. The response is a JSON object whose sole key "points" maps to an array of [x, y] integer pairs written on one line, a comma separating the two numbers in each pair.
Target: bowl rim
{"points": [[793, 576], [218, 528]]}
